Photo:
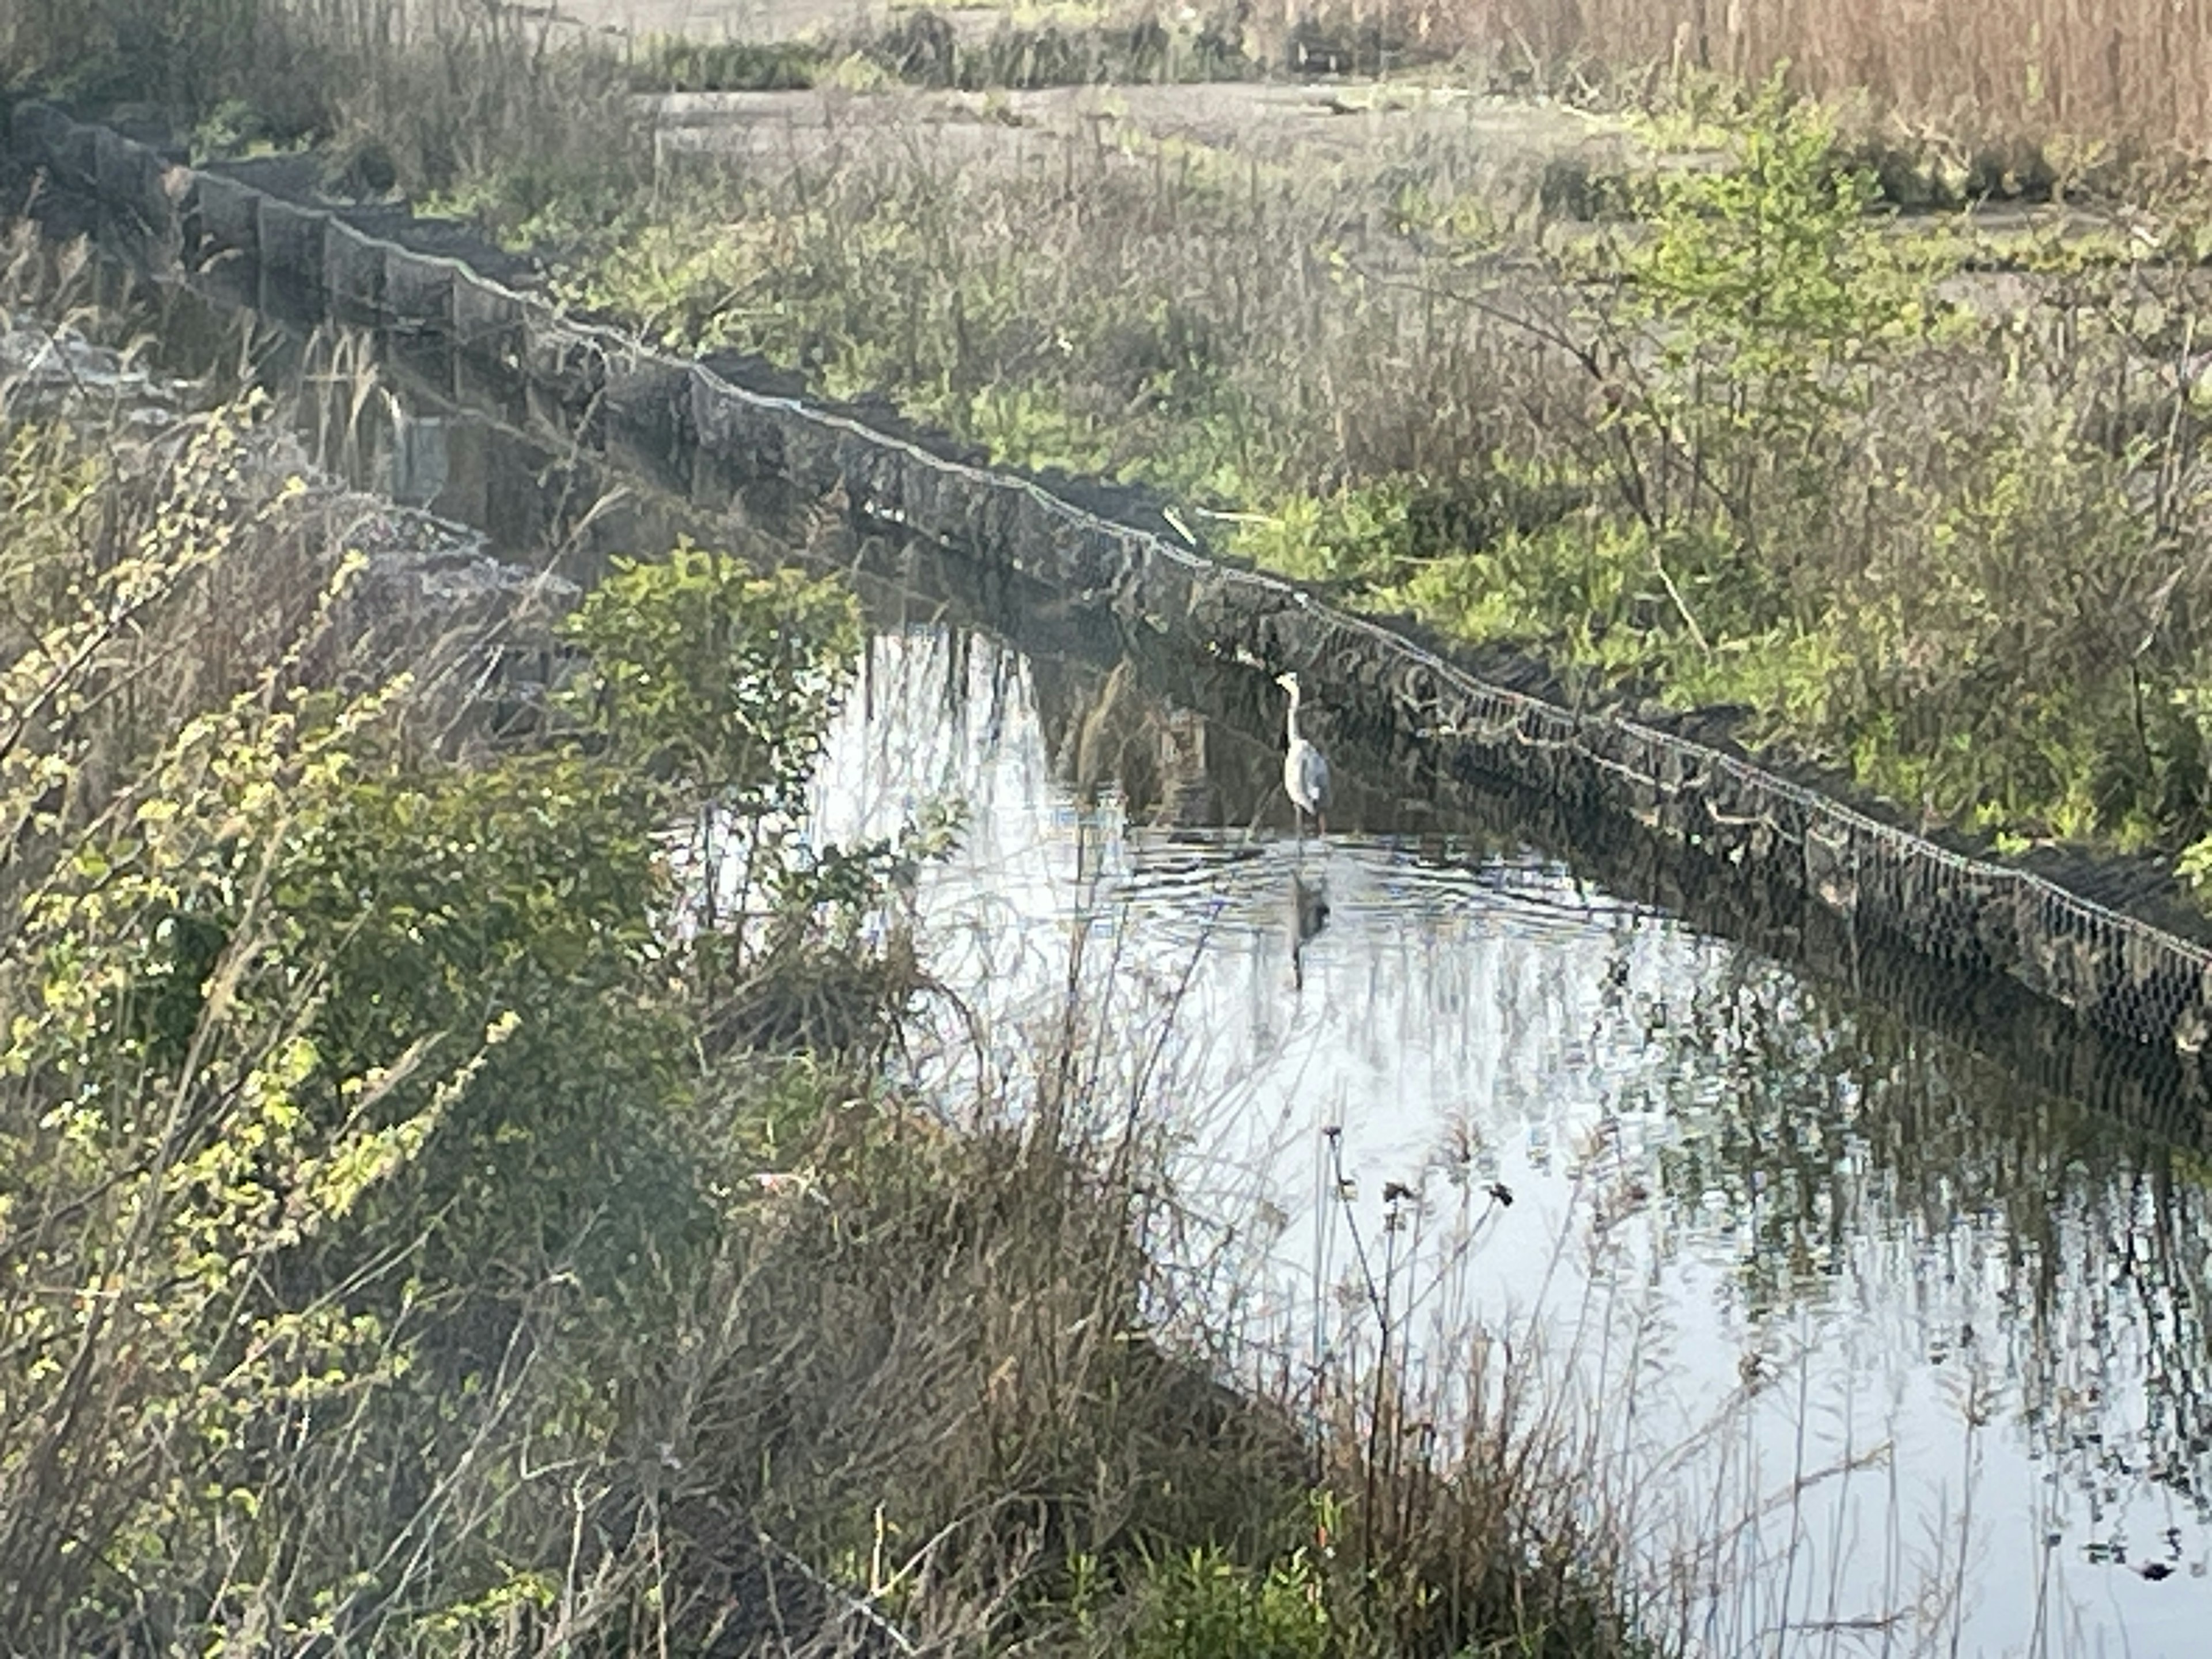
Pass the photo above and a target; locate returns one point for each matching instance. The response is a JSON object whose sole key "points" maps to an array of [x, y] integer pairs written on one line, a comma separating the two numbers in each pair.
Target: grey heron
{"points": [[1305, 769]]}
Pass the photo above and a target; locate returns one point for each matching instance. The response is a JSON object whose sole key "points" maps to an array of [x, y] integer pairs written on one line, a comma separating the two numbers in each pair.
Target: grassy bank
{"points": [[425, 1227], [1936, 529], [1926, 508]]}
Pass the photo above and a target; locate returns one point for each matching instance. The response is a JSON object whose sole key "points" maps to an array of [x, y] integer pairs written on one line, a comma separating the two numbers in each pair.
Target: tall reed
{"points": [[2128, 72]]}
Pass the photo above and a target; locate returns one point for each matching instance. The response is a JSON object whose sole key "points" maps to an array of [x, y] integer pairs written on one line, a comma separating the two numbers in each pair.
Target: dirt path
{"points": [[1330, 118]]}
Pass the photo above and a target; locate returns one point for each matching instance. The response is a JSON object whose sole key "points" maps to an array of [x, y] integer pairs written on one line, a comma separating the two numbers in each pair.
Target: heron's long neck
{"points": [[1291, 720]]}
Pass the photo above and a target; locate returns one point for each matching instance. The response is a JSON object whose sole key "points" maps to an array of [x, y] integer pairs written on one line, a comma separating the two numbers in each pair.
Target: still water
{"points": [[1898, 1354], [1879, 1345]]}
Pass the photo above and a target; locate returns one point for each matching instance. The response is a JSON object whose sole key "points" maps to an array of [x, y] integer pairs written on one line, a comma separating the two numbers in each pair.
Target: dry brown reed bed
{"points": [[2133, 74]]}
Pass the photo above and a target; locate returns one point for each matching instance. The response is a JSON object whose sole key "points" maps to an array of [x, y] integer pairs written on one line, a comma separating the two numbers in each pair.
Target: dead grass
{"points": [[2134, 74]]}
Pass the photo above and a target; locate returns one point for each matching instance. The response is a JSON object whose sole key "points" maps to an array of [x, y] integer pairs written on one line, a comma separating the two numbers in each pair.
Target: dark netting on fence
{"points": [[226, 215], [2115, 969], [353, 269], [134, 177], [490, 322], [37, 132], [419, 290], [292, 240], [75, 158]]}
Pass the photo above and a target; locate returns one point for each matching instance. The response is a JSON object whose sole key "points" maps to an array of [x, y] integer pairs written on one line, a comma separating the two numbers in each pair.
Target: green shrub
{"points": [[352, 1131], [1202, 1604]]}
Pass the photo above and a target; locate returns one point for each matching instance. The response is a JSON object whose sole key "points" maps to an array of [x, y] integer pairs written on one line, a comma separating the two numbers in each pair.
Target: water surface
{"points": [[1906, 1348], [1898, 1344]]}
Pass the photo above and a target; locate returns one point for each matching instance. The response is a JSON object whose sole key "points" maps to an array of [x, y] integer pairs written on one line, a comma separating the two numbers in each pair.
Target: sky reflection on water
{"points": [[1903, 1353]]}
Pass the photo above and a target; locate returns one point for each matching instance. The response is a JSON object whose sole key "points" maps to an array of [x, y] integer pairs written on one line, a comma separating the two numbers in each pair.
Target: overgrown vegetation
{"points": [[450, 1194], [448, 1190], [427, 1224], [1740, 443], [1754, 447], [350, 1137]]}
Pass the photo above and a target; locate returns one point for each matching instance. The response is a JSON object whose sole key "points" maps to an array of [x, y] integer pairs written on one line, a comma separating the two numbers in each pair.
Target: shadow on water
{"points": [[1907, 1270]]}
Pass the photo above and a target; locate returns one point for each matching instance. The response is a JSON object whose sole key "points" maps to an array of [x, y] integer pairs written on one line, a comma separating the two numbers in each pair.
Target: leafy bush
{"points": [[713, 678], [347, 1132], [1203, 1603]]}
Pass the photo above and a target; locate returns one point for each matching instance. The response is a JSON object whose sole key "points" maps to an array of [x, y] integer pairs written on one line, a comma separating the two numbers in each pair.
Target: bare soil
{"points": [[1280, 121], [1276, 123]]}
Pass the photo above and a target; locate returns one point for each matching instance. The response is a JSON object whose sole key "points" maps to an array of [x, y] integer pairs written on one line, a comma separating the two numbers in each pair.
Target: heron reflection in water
{"points": [[1309, 914]]}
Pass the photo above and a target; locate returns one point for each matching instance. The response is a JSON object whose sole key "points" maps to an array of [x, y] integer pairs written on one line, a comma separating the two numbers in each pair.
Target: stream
{"points": [[1879, 1340], [1895, 1352]]}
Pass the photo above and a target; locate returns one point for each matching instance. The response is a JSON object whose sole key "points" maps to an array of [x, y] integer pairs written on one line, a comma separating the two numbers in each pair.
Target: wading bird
{"points": [[1305, 772]]}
